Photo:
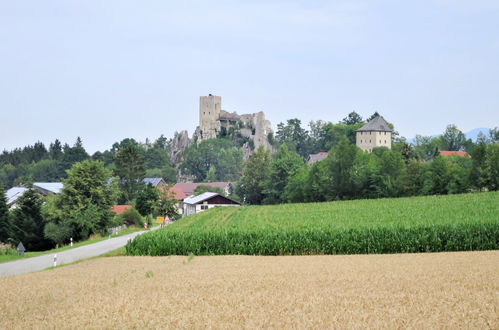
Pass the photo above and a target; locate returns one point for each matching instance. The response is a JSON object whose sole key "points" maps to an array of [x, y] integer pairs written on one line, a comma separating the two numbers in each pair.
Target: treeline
{"points": [[83, 207], [37, 163], [91, 186], [350, 173]]}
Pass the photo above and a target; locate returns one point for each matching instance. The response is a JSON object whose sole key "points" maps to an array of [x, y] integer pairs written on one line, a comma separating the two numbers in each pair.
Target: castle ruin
{"points": [[215, 122]]}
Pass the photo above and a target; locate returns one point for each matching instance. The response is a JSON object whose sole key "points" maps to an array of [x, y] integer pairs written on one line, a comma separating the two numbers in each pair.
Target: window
{"points": [[379, 141], [360, 141], [385, 141], [370, 141], [385, 133], [204, 207]]}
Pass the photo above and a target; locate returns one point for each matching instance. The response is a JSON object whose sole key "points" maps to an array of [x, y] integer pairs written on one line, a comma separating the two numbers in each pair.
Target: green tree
{"points": [[211, 176], [296, 188], [167, 172], [440, 174], [318, 184], [5, 224], [156, 158], [130, 169], [352, 119], [340, 162], [85, 202], [491, 172], [425, 148], [202, 188], [392, 174], [255, 173], [147, 199], [478, 154], [452, 139], [73, 154], [284, 165], [494, 135], [58, 233], [55, 150], [294, 136], [29, 221], [167, 206], [220, 153]]}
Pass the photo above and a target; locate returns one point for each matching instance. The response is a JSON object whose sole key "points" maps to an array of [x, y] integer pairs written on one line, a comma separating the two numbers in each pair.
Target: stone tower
{"points": [[375, 133], [209, 116]]}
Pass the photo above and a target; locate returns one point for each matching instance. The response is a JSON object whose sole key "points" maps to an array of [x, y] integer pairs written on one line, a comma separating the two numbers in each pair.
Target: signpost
{"points": [[21, 249]]}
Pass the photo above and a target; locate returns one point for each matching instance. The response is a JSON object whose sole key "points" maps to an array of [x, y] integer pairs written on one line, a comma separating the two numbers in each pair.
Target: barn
{"points": [[207, 200]]}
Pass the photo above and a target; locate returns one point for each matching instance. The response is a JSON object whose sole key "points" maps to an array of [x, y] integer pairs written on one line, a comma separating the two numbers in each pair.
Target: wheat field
{"points": [[433, 290]]}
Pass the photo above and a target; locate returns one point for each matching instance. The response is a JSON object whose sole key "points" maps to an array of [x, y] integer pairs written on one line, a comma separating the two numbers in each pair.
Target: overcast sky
{"points": [[107, 70]]}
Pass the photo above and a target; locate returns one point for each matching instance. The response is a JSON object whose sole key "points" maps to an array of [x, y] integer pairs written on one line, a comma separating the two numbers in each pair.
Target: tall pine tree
{"points": [[5, 225]]}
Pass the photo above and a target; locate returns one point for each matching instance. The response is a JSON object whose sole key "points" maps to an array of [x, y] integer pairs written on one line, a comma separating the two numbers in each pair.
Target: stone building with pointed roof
{"points": [[375, 133]]}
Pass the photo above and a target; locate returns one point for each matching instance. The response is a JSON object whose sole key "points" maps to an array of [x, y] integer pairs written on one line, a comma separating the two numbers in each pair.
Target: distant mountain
{"points": [[473, 134]]}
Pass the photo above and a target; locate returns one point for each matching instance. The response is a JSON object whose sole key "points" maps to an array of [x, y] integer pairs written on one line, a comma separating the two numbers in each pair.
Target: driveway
{"points": [[28, 265]]}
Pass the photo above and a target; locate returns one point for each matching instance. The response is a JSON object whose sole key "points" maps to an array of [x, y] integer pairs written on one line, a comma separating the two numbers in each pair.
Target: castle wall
{"points": [[212, 118]]}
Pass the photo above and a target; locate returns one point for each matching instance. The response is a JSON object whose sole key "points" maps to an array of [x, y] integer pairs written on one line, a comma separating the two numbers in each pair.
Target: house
{"points": [[375, 133], [157, 183], [44, 188], [446, 153], [48, 188], [317, 157], [205, 201], [187, 189], [13, 194], [119, 209]]}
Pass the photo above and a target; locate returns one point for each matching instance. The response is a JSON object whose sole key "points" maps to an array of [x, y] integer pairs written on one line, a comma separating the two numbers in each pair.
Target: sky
{"points": [[108, 70]]}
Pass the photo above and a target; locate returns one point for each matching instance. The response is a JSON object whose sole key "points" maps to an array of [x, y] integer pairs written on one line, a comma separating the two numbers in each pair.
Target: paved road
{"points": [[65, 257]]}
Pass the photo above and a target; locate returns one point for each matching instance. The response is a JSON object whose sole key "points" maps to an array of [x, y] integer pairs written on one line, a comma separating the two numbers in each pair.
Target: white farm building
{"points": [[205, 201]]}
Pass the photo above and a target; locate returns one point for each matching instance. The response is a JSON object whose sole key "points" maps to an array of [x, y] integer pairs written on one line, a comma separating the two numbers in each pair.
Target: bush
{"points": [[131, 217], [6, 249]]}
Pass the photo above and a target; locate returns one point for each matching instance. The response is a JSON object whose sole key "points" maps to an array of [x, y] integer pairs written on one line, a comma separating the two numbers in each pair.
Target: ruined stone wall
{"points": [[212, 118], [209, 116]]}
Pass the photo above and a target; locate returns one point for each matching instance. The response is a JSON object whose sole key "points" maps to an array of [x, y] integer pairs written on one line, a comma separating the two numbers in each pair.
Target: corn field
{"points": [[464, 222]]}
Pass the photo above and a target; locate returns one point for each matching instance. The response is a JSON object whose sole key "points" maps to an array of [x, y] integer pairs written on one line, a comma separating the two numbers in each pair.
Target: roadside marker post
{"points": [[20, 249], [55, 260], [71, 239]]}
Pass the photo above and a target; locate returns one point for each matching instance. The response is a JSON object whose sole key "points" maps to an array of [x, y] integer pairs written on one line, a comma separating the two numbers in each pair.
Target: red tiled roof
{"points": [[188, 188], [118, 209], [447, 153], [317, 157], [176, 193]]}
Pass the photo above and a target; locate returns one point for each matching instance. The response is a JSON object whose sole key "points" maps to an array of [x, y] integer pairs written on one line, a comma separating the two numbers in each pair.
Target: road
{"points": [[28, 265]]}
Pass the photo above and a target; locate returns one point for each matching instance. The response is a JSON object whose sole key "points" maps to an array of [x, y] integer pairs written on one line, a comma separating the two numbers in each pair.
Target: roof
{"points": [[14, 193], [119, 209], [153, 181], [53, 187], [317, 157], [203, 197], [176, 193], [200, 198], [378, 124], [188, 188], [447, 153]]}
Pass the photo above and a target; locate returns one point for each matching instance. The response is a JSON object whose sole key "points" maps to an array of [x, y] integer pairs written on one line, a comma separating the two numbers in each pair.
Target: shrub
{"points": [[6, 249], [131, 217]]}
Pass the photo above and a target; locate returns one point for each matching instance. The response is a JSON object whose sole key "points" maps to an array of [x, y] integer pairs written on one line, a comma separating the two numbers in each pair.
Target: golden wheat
{"points": [[442, 290]]}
